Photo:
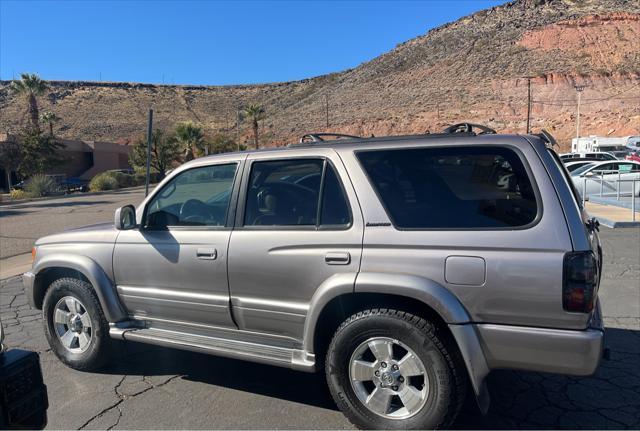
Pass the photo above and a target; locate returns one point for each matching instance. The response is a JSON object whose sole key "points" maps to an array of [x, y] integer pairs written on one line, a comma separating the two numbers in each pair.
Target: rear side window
{"points": [[452, 188], [299, 192]]}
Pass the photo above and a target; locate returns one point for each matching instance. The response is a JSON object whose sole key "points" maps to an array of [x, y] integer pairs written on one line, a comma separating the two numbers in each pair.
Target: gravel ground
{"points": [[155, 388]]}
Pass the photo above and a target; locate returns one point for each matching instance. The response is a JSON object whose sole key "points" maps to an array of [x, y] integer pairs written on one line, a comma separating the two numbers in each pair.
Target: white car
{"points": [[601, 178]]}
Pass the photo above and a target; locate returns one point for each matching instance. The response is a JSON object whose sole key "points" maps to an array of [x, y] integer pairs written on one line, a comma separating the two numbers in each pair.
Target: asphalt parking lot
{"points": [[149, 387], [22, 223]]}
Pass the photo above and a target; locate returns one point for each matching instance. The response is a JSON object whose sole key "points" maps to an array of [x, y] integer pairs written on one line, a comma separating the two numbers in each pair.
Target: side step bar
{"points": [[219, 346]]}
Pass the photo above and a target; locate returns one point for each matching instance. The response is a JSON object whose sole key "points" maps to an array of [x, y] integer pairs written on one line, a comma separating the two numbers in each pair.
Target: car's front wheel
{"points": [[75, 326], [389, 369]]}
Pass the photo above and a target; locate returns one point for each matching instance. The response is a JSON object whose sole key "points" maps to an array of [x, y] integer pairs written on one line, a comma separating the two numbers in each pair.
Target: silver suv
{"points": [[407, 268]]}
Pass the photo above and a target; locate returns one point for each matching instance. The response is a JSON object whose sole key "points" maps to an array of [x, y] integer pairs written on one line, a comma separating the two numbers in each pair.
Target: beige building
{"points": [[83, 159]]}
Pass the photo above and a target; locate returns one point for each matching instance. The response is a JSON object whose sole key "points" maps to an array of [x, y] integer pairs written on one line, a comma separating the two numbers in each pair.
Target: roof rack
{"points": [[319, 137], [468, 128], [547, 138]]}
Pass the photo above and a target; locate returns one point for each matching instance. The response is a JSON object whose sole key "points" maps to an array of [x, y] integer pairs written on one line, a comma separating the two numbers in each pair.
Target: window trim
{"points": [[232, 201], [242, 198], [517, 152]]}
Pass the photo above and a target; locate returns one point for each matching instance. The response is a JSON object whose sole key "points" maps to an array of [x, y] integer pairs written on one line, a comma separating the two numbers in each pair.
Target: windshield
{"points": [[572, 168], [581, 169]]}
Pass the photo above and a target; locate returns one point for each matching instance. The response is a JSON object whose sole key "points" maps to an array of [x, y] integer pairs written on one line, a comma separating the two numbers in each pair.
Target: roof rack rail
{"points": [[319, 137], [468, 128], [547, 138]]}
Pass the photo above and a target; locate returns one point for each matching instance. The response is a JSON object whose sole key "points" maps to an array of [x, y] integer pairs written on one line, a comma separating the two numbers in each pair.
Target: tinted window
{"points": [[335, 210], [479, 187], [197, 197], [606, 167], [288, 193], [283, 192]]}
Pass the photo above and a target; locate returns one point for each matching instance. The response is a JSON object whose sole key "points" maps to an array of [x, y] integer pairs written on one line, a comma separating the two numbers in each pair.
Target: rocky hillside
{"points": [[473, 69]]}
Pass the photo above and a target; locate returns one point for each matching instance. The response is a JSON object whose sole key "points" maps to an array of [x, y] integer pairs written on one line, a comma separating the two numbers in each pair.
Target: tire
{"points": [[80, 354], [419, 349]]}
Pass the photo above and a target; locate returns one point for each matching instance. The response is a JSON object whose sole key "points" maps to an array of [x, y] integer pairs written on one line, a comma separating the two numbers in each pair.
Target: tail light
{"points": [[579, 281]]}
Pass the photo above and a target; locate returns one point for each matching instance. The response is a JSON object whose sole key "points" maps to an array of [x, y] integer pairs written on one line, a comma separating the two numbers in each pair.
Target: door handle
{"points": [[337, 258], [207, 253]]}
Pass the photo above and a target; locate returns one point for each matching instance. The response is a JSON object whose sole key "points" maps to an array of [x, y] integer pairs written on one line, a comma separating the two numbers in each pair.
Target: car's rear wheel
{"points": [[75, 326], [388, 369]]}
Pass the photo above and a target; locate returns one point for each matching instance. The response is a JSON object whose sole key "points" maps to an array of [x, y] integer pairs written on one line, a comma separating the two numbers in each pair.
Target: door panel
{"points": [[274, 269], [174, 266], [159, 275]]}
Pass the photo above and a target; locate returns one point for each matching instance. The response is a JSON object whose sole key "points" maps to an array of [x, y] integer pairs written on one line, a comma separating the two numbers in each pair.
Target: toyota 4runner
{"points": [[406, 268]]}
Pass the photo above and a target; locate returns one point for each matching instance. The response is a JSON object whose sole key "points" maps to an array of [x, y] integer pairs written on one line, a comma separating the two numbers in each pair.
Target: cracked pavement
{"points": [[149, 387]]}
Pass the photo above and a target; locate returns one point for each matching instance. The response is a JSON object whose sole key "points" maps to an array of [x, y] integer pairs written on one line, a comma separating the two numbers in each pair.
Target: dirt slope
{"points": [[473, 69]]}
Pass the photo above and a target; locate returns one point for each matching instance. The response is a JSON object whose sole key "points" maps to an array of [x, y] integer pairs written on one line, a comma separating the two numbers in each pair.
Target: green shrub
{"points": [[124, 180], [40, 185], [140, 178], [103, 181], [18, 194]]}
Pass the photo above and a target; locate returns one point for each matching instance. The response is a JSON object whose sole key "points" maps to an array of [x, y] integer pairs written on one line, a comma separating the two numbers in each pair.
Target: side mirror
{"points": [[588, 174], [125, 217]]}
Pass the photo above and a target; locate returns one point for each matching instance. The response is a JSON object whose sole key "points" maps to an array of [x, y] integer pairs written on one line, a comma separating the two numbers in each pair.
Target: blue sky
{"points": [[207, 42]]}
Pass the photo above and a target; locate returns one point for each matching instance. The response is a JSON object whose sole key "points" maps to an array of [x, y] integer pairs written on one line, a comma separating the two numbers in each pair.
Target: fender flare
{"points": [[102, 285], [427, 291]]}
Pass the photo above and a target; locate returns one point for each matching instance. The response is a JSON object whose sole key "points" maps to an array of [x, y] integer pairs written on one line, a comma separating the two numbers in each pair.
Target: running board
{"points": [[231, 348]]}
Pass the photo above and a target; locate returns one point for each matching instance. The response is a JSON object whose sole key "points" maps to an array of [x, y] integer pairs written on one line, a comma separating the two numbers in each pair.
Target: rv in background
{"points": [[619, 146]]}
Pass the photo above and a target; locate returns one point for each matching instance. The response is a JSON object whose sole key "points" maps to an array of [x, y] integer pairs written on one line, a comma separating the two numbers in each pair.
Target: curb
{"points": [[616, 224]]}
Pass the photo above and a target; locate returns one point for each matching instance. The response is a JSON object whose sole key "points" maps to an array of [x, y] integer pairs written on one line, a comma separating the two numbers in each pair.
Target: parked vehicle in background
{"points": [[607, 179], [406, 268], [584, 156], [23, 395], [604, 143], [572, 166], [75, 184], [621, 154], [634, 156]]}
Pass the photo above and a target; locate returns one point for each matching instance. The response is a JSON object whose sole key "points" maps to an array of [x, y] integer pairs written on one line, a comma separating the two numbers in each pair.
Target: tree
{"points": [[190, 136], [164, 151], [10, 158], [39, 152], [223, 144], [49, 118], [255, 113], [30, 86]]}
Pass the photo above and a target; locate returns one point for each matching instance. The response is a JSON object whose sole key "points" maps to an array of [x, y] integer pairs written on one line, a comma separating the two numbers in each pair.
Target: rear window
{"points": [[452, 188]]}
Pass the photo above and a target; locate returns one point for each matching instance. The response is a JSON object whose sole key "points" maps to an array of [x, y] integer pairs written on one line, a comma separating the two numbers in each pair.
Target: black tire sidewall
{"points": [[94, 356], [441, 381]]}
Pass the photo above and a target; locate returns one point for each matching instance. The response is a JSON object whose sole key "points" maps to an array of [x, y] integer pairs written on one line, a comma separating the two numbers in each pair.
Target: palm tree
{"points": [[191, 138], [255, 113], [31, 86], [49, 118]]}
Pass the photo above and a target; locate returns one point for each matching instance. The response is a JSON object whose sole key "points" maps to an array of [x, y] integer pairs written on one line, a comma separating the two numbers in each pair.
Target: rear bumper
{"points": [[559, 351]]}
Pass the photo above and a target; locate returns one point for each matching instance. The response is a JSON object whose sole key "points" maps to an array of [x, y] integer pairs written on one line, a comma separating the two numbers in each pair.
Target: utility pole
{"points": [[148, 177], [238, 127], [579, 89], [326, 108], [528, 105]]}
